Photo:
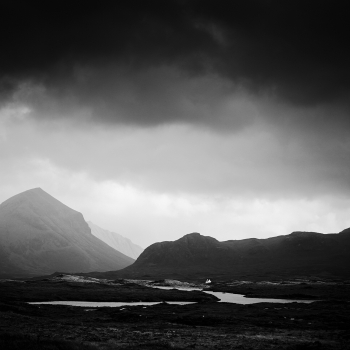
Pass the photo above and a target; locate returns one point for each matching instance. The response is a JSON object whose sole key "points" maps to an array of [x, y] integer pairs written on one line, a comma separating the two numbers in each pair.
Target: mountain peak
{"points": [[197, 237], [35, 199], [39, 234], [29, 194], [193, 234], [35, 189]]}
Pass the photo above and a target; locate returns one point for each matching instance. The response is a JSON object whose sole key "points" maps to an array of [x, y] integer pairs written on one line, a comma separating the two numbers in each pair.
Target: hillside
{"points": [[199, 257], [40, 235], [116, 241]]}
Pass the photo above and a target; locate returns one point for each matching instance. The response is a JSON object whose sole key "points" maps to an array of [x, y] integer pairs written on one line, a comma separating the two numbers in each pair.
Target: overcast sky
{"points": [[159, 118]]}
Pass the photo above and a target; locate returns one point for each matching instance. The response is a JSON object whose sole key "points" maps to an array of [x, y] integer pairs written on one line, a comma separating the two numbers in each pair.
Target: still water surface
{"points": [[224, 297], [107, 304], [241, 299]]}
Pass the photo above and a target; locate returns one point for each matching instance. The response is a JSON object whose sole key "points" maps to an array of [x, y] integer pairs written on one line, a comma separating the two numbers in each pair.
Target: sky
{"points": [[159, 118]]}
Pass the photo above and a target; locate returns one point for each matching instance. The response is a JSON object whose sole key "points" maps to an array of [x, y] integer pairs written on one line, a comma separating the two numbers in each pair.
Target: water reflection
{"points": [[241, 299], [224, 297], [107, 304]]}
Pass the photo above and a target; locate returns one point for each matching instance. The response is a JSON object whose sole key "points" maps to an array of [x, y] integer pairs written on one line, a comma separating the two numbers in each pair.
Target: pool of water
{"points": [[240, 298], [224, 298], [107, 304]]}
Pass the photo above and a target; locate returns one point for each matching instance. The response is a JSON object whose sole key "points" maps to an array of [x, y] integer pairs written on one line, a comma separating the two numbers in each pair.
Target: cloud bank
{"points": [[195, 106], [142, 61]]}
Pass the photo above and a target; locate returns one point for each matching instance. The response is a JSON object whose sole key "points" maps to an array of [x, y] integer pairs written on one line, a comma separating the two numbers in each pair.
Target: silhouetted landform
{"points": [[40, 235], [116, 241], [200, 257]]}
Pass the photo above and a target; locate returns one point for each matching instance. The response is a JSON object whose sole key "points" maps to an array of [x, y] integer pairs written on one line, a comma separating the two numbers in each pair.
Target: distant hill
{"points": [[116, 241], [199, 257], [40, 235]]}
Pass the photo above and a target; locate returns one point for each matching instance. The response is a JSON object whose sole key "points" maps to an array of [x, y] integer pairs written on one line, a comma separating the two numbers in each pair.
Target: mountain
{"points": [[199, 257], [40, 235], [116, 241]]}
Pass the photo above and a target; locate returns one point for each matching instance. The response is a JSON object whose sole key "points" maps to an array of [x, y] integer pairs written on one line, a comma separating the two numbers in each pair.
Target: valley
{"points": [[288, 292], [205, 324]]}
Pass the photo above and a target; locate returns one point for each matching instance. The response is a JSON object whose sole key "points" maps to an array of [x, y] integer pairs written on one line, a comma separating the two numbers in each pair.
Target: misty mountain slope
{"points": [[197, 256], [40, 235], [116, 241]]}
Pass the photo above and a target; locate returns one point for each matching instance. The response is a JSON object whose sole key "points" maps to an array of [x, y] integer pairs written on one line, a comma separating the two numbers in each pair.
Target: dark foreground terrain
{"points": [[207, 324]]}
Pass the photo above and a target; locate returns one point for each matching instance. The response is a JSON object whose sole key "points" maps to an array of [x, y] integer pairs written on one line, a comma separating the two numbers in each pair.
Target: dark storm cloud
{"points": [[64, 54]]}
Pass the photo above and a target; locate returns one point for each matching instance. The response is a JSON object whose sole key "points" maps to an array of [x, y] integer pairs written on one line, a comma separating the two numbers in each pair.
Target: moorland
{"points": [[205, 324]]}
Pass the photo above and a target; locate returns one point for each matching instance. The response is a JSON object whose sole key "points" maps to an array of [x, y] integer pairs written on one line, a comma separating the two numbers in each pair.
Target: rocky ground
{"points": [[204, 325]]}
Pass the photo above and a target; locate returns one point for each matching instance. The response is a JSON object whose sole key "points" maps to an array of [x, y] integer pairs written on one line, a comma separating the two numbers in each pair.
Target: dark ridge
{"points": [[199, 257]]}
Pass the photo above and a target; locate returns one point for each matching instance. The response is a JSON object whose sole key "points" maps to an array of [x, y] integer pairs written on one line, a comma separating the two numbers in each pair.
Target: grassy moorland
{"points": [[31, 291], [205, 325]]}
